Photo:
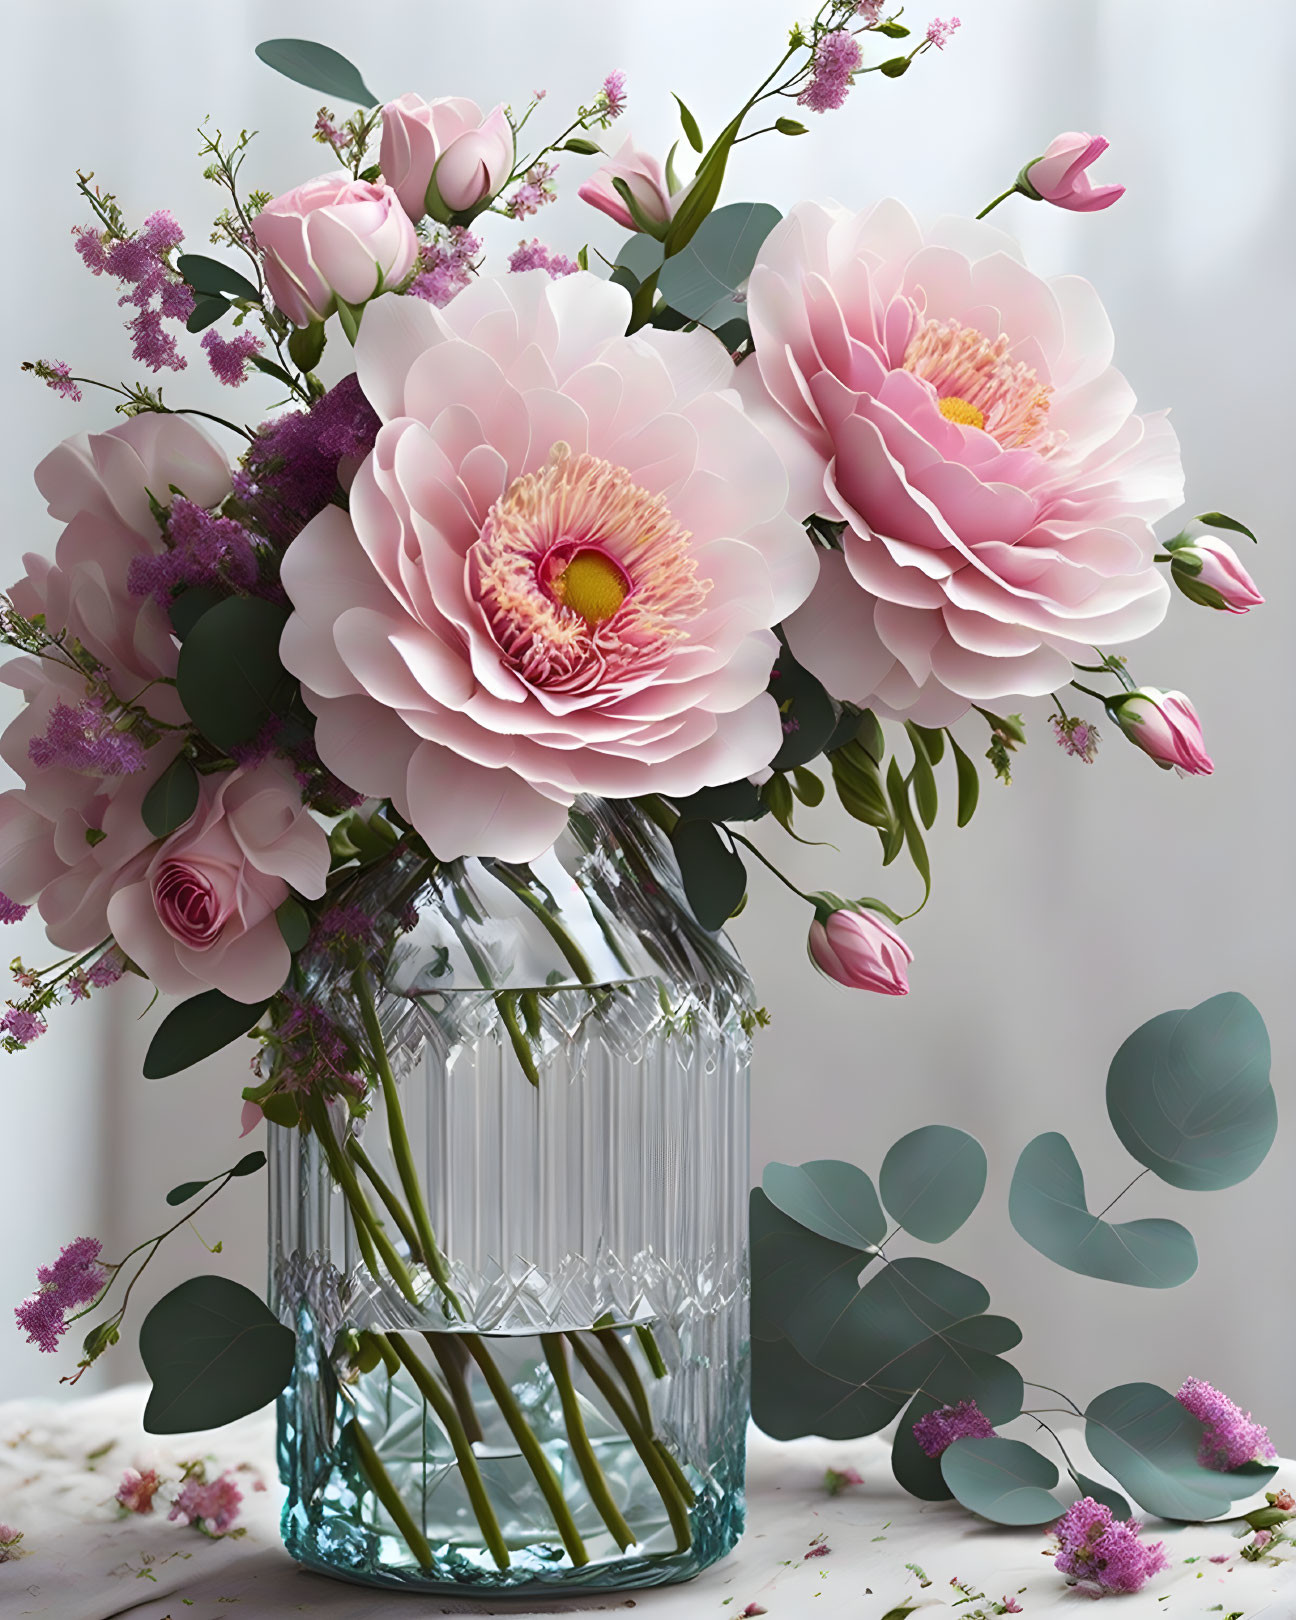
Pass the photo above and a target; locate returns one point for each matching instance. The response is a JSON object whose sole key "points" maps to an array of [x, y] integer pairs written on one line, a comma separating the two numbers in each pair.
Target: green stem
{"points": [[595, 1481], [506, 1006], [619, 1356], [575, 957], [658, 811], [531, 1450], [400, 1142], [451, 1358], [649, 1454], [388, 1495], [448, 1417], [1002, 197], [393, 1204], [648, 1344]]}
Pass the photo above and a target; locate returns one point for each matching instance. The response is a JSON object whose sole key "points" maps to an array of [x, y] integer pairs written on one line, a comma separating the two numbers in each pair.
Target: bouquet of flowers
{"points": [[519, 549]]}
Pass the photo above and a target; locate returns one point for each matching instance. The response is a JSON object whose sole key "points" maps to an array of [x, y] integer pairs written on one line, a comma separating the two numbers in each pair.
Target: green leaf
{"points": [[185, 1191], [792, 1398], [932, 741], [689, 124], [809, 714], [294, 923], [1220, 520], [789, 126], [1189, 1094], [776, 793], [895, 67], [248, 1165], [1005, 1481], [859, 786], [892, 30], [807, 786], [871, 737], [1047, 1207], [172, 799], [229, 675], [318, 68], [272, 368], [306, 345], [830, 1197], [969, 785], [795, 1272], [735, 801], [898, 793], [1142, 1436], [349, 316], [718, 259], [205, 312], [197, 1028], [932, 1179], [581, 146], [1101, 1493], [914, 1470], [187, 608], [214, 1352], [923, 778], [715, 880], [210, 277], [704, 191]]}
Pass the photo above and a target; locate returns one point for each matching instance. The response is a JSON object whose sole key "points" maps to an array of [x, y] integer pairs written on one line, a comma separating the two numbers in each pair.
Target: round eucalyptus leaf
{"points": [[229, 675], [830, 1197], [792, 1398], [718, 259], [1005, 1481], [1142, 1436], [172, 799], [914, 1470], [714, 877], [1101, 1493], [1046, 1205], [993, 1334], [197, 1028], [1189, 1094], [932, 1180], [796, 1275], [318, 67]]}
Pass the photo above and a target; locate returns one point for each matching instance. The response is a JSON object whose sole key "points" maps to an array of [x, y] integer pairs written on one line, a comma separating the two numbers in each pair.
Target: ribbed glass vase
{"points": [[519, 1282]]}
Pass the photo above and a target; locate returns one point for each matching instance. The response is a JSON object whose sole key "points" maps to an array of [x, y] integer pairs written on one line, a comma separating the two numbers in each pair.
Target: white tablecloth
{"points": [[60, 1464]]}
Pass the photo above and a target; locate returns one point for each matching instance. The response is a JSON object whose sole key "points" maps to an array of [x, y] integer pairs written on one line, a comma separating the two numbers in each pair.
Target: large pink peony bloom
{"points": [[963, 419], [558, 574], [202, 912]]}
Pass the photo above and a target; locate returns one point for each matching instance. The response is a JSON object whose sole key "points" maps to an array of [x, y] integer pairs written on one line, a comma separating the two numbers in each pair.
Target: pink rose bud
{"points": [[333, 238], [1165, 726], [860, 950], [642, 174], [1210, 572], [470, 156], [1059, 176]]}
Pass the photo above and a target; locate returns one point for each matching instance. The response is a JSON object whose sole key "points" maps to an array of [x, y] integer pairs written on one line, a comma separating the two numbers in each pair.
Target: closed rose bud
{"points": [[1210, 572], [333, 238], [1165, 726], [862, 951], [470, 156], [642, 174], [1059, 176]]}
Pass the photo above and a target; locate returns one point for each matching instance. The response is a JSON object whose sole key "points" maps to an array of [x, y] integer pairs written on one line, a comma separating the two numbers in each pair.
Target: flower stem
{"points": [[1002, 197], [393, 1204], [596, 1484], [448, 1417], [530, 1447], [575, 957], [506, 1006], [388, 1495], [619, 1356], [451, 1358], [648, 1344]]}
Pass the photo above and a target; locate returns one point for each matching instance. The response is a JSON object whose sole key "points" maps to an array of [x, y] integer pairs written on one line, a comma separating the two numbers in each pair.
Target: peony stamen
{"points": [[977, 385], [591, 585]]}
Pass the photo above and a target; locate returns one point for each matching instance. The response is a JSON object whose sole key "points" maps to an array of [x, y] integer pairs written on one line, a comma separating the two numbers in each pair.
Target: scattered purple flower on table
{"points": [[229, 357], [1231, 1438], [938, 32], [445, 266], [819, 1547], [836, 1480], [74, 1279], [203, 549], [137, 1490], [22, 1027], [11, 911], [940, 1429], [1076, 737], [1106, 1551], [614, 94], [86, 739], [9, 1543], [534, 255], [211, 1507], [837, 59], [752, 1611]]}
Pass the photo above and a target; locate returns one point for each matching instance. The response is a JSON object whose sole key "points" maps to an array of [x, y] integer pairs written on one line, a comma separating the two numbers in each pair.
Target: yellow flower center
{"points": [[963, 411], [591, 585]]}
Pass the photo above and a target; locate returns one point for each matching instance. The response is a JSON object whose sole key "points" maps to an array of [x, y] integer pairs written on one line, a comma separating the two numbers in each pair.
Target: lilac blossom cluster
{"points": [[211, 1506], [76, 1278], [229, 357], [938, 32], [21, 1026], [534, 190], [56, 374], [202, 549], [1079, 738], [445, 265], [11, 911], [939, 1430], [86, 738], [837, 59], [1098, 1548], [613, 97], [311, 1052], [98, 976], [534, 255], [1231, 1437], [342, 929], [154, 289]]}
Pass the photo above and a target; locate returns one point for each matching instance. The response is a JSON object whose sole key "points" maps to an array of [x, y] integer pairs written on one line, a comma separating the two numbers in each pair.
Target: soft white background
{"points": [[1080, 901]]}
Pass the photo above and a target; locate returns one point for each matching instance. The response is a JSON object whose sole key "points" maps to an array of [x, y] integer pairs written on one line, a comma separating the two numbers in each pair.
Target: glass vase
{"points": [[518, 1272]]}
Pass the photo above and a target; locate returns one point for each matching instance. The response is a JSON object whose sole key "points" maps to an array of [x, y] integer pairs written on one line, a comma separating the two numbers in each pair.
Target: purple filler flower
{"points": [[229, 357], [837, 59], [939, 1430], [1079, 738], [1097, 1547], [1231, 1437], [86, 739], [22, 1026], [76, 1278], [57, 374], [534, 255], [938, 32], [213, 1507], [203, 549], [11, 911], [614, 94]]}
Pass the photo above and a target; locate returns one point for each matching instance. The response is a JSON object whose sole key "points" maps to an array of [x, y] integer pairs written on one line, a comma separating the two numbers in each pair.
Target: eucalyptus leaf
{"points": [[809, 714], [214, 1352], [1142, 1436], [914, 1470], [932, 1179], [714, 878], [229, 676], [197, 1028], [209, 277], [1005, 1481], [796, 1274], [248, 1165], [206, 312], [1101, 1493], [830, 1197], [718, 259], [318, 67], [734, 801], [1047, 1206], [1189, 1094], [294, 923], [641, 255], [172, 799], [792, 1398], [189, 606]]}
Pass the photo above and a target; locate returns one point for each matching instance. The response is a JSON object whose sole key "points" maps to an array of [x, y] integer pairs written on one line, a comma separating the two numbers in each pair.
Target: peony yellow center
{"points": [[963, 411], [591, 585]]}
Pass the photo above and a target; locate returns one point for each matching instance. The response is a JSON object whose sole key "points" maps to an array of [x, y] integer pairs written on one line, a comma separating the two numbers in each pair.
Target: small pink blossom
{"points": [[836, 1480], [534, 255], [1209, 571], [643, 177], [210, 1507], [938, 32], [1059, 176], [76, 1278], [57, 374], [870, 10], [861, 950], [9, 1544], [614, 94], [1079, 738], [22, 1027], [137, 1490], [1011, 1606], [11, 911], [837, 59]]}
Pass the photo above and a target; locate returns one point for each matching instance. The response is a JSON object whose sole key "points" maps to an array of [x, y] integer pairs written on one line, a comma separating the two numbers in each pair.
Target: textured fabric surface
{"points": [[60, 1463]]}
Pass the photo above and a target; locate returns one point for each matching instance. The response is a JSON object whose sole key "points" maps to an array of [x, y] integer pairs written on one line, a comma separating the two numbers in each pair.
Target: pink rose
{"points": [[642, 173], [202, 913], [470, 156], [1210, 572], [333, 238], [1165, 726], [1059, 176], [862, 951], [960, 417]]}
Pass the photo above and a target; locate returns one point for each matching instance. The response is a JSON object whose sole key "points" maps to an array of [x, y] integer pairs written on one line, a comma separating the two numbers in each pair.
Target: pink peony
{"points": [[862, 951], [558, 572], [202, 912], [333, 238], [1165, 726], [961, 417], [1059, 176], [642, 173], [471, 156]]}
